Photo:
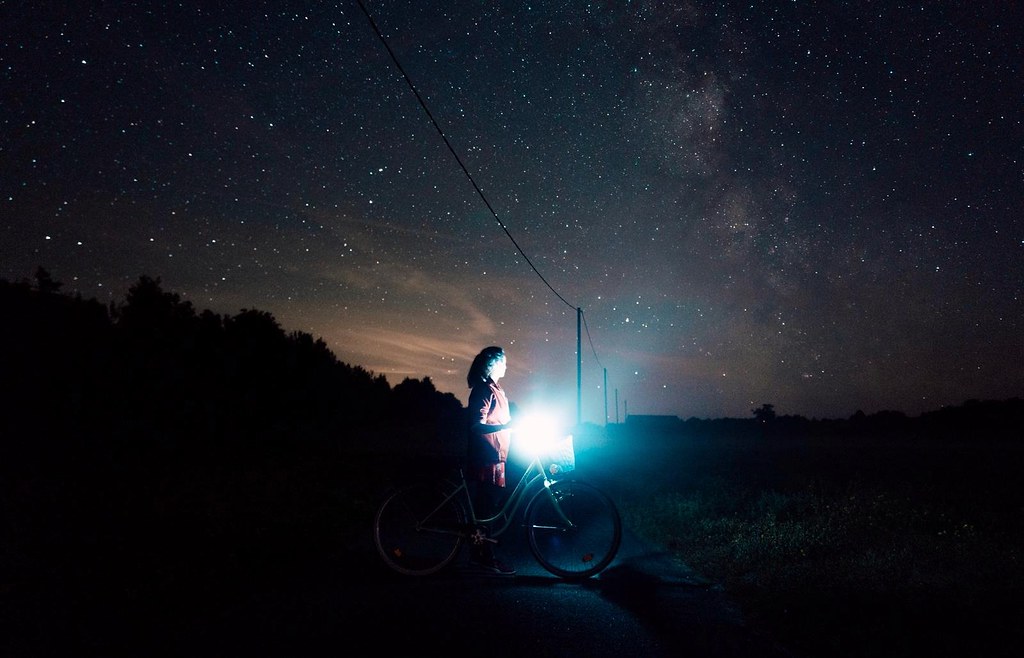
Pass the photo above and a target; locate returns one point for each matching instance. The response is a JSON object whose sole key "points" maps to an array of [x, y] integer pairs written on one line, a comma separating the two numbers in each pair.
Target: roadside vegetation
{"points": [[853, 547]]}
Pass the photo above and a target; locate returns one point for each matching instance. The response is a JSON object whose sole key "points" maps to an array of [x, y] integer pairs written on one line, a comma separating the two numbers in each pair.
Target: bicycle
{"points": [[573, 528]]}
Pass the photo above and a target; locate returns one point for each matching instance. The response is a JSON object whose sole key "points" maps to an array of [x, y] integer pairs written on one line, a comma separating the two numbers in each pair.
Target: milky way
{"points": [[812, 205]]}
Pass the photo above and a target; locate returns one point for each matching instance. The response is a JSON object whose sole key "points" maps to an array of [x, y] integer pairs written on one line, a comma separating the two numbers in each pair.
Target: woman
{"points": [[489, 426]]}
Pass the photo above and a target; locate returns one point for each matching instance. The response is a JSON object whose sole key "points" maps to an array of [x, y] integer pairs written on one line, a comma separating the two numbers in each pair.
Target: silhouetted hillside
{"points": [[154, 367]]}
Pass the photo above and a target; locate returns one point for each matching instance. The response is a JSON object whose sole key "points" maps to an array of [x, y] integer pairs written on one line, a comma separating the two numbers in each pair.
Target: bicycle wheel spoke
{"points": [[416, 530], [574, 529]]}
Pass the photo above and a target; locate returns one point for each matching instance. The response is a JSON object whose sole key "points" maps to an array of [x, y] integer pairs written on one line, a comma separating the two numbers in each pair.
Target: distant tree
{"points": [[256, 335], [53, 351], [45, 283], [437, 416], [150, 312], [765, 413], [415, 398]]}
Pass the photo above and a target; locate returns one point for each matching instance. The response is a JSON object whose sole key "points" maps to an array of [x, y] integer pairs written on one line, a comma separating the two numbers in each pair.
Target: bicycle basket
{"points": [[561, 458]]}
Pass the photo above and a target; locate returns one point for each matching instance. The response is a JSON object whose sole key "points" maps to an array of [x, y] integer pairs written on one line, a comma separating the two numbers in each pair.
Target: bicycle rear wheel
{"points": [[574, 529], [419, 528]]}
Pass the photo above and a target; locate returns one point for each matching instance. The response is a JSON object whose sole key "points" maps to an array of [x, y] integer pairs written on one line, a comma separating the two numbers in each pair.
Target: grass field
{"points": [[845, 547]]}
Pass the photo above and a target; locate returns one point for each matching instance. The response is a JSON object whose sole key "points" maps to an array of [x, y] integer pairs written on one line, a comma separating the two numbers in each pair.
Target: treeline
{"points": [[154, 367], [980, 420]]}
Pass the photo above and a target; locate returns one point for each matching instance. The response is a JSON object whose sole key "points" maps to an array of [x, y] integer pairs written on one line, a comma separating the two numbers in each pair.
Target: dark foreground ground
{"points": [[644, 604], [272, 556], [141, 549]]}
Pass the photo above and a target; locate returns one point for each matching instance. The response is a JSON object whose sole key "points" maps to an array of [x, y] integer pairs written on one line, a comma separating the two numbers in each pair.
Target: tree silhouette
{"points": [[45, 283], [765, 413]]}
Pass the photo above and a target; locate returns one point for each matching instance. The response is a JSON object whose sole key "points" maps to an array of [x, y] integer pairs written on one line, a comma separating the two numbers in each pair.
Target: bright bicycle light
{"points": [[543, 437], [536, 432]]}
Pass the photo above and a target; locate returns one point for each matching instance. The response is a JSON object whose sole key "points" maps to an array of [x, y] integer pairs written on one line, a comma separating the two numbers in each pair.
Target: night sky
{"points": [[816, 205]]}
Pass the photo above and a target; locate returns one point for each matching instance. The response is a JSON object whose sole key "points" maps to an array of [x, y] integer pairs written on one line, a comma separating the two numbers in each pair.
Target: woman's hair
{"points": [[480, 371]]}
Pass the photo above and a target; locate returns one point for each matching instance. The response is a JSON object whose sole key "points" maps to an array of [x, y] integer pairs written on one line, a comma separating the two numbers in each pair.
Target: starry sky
{"points": [[815, 205]]}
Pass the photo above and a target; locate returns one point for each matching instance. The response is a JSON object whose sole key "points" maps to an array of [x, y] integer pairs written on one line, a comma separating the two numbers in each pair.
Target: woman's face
{"points": [[498, 369]]}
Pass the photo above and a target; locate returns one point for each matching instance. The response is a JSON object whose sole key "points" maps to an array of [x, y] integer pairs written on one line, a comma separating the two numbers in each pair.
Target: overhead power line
{"points": [[440, 132], [437, 127], [590, 339]]}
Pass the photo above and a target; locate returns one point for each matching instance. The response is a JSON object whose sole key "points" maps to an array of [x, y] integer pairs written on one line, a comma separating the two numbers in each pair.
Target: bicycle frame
{"points": [[533, 474], [572, 528]]}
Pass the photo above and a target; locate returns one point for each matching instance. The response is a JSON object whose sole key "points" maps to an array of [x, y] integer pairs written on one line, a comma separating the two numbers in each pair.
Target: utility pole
{"points": [[605, 390], [579, 366]]}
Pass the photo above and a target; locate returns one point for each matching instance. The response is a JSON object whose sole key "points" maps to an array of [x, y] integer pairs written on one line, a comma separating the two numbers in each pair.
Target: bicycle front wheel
{"points": [[419, 528], [574, 529]]}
